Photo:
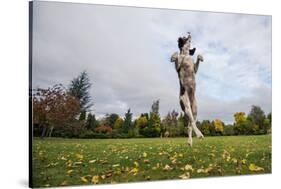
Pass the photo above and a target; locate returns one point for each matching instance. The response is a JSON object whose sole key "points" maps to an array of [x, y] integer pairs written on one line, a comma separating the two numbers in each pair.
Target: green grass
{"points": [[77, 161]]}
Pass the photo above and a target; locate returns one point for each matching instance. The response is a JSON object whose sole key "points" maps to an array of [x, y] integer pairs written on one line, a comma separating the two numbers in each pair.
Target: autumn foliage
{"points": [[103, 129], [53, 106]]}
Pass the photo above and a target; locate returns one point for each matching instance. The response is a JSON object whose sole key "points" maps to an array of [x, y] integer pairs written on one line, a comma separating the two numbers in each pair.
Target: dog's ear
{"points": [[192, 51]]}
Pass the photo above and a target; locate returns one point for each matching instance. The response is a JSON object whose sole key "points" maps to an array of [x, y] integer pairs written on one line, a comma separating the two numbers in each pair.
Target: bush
{"points": [[103, 129], [87, 134], [228, 130], [150, 132]]}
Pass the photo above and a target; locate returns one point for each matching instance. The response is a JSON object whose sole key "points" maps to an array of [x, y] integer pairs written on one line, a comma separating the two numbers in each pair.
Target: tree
{"points": [[239, 117], [241, 124], [118, 123], [79, 88], [82, 116], [91, 122], [206, 127], [154, 123], [170, 124], [181, 125], [53, 108], [155, 107], [218, 125], [110, 119], [257, 117], [127, 121], [141, 122], [269, 117], [270, 122], [228, 130]]}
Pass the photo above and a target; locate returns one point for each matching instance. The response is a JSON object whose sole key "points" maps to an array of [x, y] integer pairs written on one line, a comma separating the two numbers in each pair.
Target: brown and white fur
{"points": [[186, 69]]}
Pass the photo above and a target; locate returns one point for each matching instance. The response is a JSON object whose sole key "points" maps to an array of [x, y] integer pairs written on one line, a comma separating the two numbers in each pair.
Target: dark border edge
{"points": [[30, 130]]}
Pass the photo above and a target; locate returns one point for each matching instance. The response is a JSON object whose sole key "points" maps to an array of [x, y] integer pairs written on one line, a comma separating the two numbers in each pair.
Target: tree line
{"points": [[60, 111]]}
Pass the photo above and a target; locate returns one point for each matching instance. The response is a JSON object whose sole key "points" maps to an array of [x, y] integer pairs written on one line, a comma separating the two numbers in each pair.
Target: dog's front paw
{"points": [[200, 57]]}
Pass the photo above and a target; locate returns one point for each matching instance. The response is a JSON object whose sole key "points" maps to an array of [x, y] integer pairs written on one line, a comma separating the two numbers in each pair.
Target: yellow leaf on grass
{"points": [[83, 179], [253, 167], [144, 154], [136, 164], [188, 167], [226, 155], [64, 183], [167, 168], [134, 170], [234, 160], [95, 179], [116, 165], [201, 171], [77, 163], [243, 161], [69, 171], [92, 161], [185, 176], [79, 156]]}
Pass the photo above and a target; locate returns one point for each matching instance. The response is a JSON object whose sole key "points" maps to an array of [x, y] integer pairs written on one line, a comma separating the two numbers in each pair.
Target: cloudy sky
{"points": [[126, 52]]}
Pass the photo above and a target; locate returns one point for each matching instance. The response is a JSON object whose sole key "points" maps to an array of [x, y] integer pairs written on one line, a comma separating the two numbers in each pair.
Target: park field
{"points": [[60, 162]]}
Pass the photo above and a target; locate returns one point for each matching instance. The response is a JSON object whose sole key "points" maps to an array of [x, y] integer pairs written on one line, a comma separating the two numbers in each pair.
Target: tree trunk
{"points": [[43, 131], [51, 131]]}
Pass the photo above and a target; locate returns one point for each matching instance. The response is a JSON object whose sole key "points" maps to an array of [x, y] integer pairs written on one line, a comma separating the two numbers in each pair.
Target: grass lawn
{"points": [[58, 162]]}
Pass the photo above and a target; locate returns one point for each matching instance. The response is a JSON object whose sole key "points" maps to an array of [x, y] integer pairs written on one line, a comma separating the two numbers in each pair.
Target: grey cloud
{"points": [[126, 53]]}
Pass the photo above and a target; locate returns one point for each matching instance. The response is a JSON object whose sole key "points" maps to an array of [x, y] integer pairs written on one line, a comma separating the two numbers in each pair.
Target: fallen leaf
{"points": [[79, 156], [188, 167], [95, 179], [146, 160], [103, 161], [77, 163], [200, 170], [64, 183], [185, 175], [134, 170], [144, 154], [83, 179], [92, 161], [69, 171], [109, 173], [116, 165], [136, 164], [167, 168], [226, 155], [234, 160], [253, 167]]}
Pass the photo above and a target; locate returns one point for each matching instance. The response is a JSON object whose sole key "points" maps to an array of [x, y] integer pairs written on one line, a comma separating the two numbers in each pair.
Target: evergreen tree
{"points": [[154, 125], [91, 122], [82, 116], [257, 117], [79, 88], [127, 121]]}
